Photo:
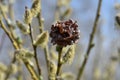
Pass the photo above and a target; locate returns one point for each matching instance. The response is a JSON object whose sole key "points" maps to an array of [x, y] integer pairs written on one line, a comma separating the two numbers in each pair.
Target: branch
{"points": [[41, 29], [34, 48], [90, 45], [9, 35]]}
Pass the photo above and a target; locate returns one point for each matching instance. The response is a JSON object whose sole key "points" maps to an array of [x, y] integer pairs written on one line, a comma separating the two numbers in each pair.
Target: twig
{"points": [[15, 46], [59, 65], [90, 45], [10, 27], [46, 47], [34, 48], [9, 35], [31, 70], [40, 22]]}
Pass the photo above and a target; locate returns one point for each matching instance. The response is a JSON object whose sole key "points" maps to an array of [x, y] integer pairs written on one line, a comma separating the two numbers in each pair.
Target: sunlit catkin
{"points": [[23, 54], [23, 28], [52, 70], [42, 39], [68, 57], [35, 9], [3, 67], [27, 16]]}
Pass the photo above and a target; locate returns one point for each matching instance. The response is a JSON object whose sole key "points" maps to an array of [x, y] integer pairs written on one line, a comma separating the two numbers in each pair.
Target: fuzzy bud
{"points": [[3, 67], [35, 9], [52, 70], [23, 54], [68, 57], [68, 76], [23, 27], [27, 16], [14, 69], [42, 39]]}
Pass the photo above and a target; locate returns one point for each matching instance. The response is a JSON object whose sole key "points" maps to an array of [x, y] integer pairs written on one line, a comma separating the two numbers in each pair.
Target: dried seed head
{"points": [[65, 33], [42, 39], [27, 16], [35, 9]]}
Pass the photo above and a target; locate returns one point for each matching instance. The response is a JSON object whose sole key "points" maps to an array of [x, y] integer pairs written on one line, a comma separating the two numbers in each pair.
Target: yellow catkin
{"points": [[3, 67], [52, 70], [14, 69], [35, 9], [68, 57], [23, 54], [27, 16], [23, 28], [42, 39], [68, 76]]}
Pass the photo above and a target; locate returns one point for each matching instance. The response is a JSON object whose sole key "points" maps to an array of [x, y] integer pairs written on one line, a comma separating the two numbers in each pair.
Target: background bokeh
{"points": [[107, 38]]}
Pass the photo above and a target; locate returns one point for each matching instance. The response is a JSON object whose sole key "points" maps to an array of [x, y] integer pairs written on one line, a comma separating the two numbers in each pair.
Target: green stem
{"points": [[59, 65]]}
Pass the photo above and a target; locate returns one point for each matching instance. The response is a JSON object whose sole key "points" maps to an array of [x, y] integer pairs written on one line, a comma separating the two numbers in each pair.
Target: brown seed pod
{"points": [[65, 33]]}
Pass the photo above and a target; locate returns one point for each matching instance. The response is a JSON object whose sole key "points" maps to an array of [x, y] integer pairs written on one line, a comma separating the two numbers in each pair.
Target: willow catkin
{"points": [[27, 16], [23, 54], [68, 76], [23, 28], [68, 57], [14, 69], [42, 39], [52, 70], [3, 67], [35, 9]]}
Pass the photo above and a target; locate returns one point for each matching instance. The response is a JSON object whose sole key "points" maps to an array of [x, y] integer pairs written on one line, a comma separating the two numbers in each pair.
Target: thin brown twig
{"points": [[34, 48], [90, 45], [41, 28], [46, 47]]}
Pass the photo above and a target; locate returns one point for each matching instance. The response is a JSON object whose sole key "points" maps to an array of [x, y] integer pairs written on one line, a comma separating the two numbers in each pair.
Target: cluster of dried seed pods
{"points": [[65, 33]]}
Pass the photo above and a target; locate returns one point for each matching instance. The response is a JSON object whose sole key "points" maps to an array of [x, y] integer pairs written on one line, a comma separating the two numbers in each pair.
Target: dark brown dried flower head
{"points": [[117, 18], [65, 33]]}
